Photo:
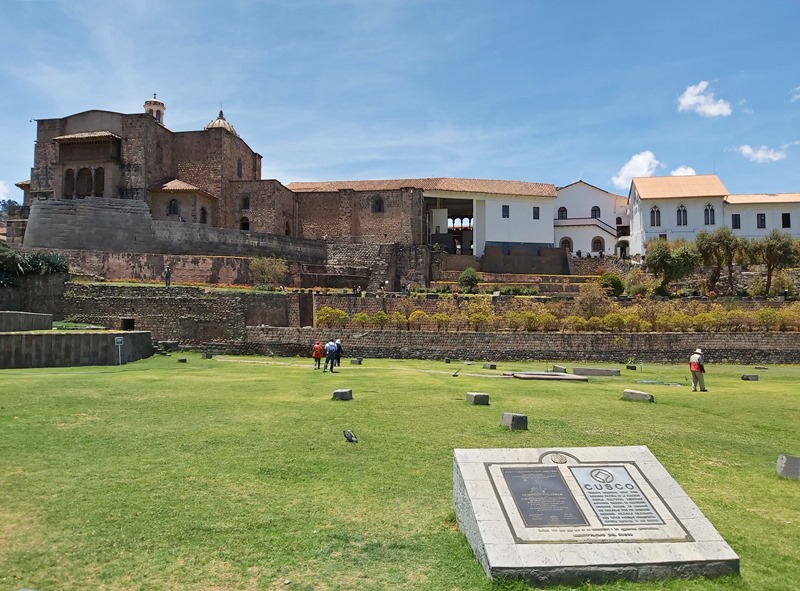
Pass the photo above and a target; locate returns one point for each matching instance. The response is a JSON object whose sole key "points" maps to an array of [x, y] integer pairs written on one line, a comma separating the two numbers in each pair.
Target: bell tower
{"points": [[155, 108]]}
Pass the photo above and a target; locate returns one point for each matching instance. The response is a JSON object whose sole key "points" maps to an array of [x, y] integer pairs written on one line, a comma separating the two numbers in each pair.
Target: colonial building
{"points": [[678, 207], [589, 220]]}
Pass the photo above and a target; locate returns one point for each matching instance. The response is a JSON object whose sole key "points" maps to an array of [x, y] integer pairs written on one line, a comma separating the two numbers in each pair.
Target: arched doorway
{"points": [[566, 244], [244, 224]]}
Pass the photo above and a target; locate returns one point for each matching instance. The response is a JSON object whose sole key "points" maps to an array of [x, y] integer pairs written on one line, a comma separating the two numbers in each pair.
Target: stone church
{"points": [[113, 182]]}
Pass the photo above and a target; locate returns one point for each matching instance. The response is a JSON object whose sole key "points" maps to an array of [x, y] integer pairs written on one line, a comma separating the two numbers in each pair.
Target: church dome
{"points": [[221, 123]]}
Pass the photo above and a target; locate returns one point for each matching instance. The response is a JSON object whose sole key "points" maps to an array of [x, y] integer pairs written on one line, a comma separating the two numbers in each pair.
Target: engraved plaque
{"points": [[542, 497], [615, 497]]}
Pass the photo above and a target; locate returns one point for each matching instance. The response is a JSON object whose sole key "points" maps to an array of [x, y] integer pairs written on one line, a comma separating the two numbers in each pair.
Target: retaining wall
{"points": [[62, 349], [746, 348], [21, 321]]}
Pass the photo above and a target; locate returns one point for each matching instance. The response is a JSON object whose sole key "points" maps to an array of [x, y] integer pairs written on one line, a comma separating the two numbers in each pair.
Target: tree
{"points": [[468, 280], [717, 249], [592, 300], [775, 251], [671, 262], [612, 282], [418, 318], [332, 318]]}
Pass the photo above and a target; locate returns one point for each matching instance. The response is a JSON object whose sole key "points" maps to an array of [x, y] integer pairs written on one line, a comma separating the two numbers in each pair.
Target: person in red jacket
{"points": [[698, 368], [317, 353]]}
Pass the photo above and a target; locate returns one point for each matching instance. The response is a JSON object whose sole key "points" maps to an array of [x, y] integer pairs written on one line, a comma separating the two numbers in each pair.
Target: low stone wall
{"points": [[43, 294], [63, 349], [22, 321], [745, 348]]}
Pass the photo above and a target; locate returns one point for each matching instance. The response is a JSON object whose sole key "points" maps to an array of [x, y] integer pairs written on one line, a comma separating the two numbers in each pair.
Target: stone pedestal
{"points": [[343, 394], [489, 366], [789, 466], [478, 398], [637, 396], [750, 377], [514, 421]]}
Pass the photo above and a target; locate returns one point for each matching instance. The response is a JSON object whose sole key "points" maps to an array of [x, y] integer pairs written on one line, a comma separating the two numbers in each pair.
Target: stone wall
{"points": [[63, 349], [745, 348], [21, 321], [43, 294]]}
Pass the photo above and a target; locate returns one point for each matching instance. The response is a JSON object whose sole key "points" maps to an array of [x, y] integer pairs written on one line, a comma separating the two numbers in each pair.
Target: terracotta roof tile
{"points": [[664, 187], [486, 186], [176, 186], [86, 135], [765, 198]]}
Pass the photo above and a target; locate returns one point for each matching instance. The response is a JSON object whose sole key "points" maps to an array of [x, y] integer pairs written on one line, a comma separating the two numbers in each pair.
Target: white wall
{"points": [[519, 226], [438, 218], [579, 198], [773, 212], [642, 231], [582, 237]]}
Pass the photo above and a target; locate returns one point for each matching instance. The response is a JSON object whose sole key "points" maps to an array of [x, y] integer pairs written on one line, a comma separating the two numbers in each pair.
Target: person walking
{"points": [[698, 368], [317, 353], [167, 276], [330, 355], [339, 352]]}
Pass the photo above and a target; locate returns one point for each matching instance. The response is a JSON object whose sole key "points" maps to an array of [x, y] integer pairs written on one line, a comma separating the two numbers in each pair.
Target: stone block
{"points": [[207, 355], [750, 377], [489, 366], [514, 421], [559, 369], [761, 367], [633, 367], [789, 466], [637, 396], [595, 371], [343, 394], [478, 398], [447, 360], [182, 360], [356, 360]]}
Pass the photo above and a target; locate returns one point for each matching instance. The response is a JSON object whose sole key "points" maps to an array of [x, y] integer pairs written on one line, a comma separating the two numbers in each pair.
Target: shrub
{"points": [[360, 319], [479, 321], [442, 321], [380, 319], [612, 282], [613, 322], [769, 319], [468, 280], [515, 320], [332, 318], [417, 318], [269, 270], [398, 320], [573, 324]]}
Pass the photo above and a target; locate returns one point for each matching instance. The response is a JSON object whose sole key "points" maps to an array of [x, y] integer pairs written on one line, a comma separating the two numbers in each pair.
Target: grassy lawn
{"points": [[232, 473]]}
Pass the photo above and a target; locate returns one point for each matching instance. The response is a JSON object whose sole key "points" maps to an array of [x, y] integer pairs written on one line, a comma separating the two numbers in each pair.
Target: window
{"points": [[761, 220], [562, 213], [662, 236], [245, 202], [786, 220], [566, 244], [172, 207], [598, 245], [505, 211], [377, 204], [596, 212], [244, 224], [203, 215], [736, 221], [619, 221], [535, 213], [681, 215], [655, 216], [708, 215], [84, 182]]}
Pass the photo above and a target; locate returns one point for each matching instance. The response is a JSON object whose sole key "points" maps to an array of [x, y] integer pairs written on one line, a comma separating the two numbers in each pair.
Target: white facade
{"points": [[758, 215], [589, 220]]}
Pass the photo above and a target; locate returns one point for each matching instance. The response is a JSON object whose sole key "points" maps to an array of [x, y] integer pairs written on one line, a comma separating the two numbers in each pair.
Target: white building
{"points": [[676, 207], [591, 220]]}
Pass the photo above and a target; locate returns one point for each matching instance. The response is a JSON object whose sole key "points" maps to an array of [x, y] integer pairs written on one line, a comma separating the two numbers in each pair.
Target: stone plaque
{"points": [[562, 516]]}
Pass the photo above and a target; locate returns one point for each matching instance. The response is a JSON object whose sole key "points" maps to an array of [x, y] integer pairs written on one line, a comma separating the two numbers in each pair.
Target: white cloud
{"points": [[4, 191], [761, 154], [683, 171], [795, 95], [641, 164], [699, 99]]}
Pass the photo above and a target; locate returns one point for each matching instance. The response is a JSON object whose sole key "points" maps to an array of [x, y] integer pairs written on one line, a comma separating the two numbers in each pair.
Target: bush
{"points": [[612, 282], [360, 319], [380, 319], [417, 318], [398, 320], [442, 321], [268, 270], [479, 321], [468, 280], [332, 318]]}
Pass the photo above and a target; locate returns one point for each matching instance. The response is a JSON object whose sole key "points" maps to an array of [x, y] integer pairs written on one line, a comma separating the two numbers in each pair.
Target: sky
{"points": [[533, 90]]}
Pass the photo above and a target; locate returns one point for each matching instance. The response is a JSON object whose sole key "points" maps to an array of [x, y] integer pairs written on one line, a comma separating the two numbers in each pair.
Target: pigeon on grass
{"points": [[350, 436]]}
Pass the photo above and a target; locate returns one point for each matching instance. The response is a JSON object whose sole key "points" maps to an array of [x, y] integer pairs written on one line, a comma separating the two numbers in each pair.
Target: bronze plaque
{"points": [[542, 497]]}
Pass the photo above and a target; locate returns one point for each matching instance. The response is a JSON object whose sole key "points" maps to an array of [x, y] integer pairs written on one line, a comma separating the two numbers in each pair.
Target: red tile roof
{"points": [[765, 198], [176, 186], [665, 187], [86, 135], [456, 185]]}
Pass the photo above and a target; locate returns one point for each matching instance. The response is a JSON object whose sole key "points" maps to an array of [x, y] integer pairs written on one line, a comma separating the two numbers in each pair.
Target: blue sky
{"points": [[543, 91]]}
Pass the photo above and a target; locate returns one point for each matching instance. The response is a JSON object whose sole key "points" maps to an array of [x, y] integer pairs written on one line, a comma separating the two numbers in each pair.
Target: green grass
{"points": [[232, 473]]}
